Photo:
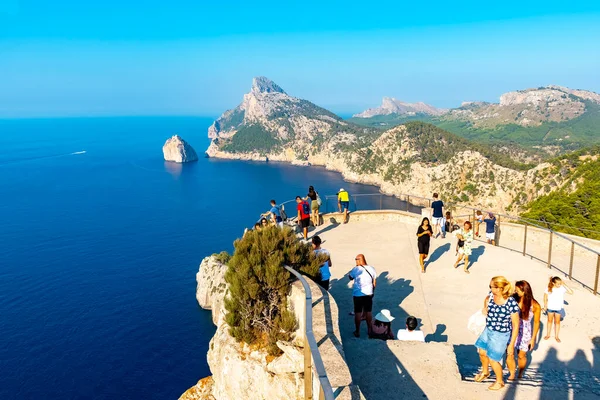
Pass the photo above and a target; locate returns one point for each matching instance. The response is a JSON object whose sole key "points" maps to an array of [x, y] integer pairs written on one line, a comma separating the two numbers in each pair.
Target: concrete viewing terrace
{"points": [[443, 299]]}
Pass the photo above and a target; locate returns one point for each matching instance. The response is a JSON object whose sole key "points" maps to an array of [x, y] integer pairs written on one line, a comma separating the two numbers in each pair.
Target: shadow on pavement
{"points": [[475, 254], [437, 253], [438, 335], [373, 365]]}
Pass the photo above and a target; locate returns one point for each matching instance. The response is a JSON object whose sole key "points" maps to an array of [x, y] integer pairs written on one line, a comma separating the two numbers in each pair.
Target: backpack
{"points": [[282, 214], [305, 208], [319, 201]]}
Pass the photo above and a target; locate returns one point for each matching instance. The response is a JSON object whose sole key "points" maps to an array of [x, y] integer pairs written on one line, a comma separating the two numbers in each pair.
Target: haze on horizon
{"points": [[69, 58]]}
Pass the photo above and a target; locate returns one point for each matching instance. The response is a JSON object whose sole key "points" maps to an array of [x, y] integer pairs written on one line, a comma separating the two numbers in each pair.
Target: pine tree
{"points": [[257, 311]]}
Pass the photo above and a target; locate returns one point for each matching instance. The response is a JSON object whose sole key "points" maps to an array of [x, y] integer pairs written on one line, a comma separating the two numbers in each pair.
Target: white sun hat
{"points": [[384, 316], [341, 190]]}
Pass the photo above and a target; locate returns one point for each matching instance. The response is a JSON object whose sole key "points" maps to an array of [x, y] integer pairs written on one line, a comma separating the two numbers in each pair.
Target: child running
{"points": [[554, 298]]}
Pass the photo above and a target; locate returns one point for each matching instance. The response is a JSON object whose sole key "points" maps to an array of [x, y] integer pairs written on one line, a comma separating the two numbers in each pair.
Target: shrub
{"points": [[257, 310], [223, 257]]}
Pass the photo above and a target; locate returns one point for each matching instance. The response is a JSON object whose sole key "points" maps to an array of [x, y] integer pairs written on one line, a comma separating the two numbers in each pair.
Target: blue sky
{"points": [[77, 58]]}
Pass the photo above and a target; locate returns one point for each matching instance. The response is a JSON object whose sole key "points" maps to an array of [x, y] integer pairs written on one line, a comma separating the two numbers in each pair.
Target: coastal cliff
{"points": [[240, 371], [414, 158]]}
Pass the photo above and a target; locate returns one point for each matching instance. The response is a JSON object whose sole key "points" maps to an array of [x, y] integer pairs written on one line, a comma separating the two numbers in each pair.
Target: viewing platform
{"points": [[443, 299]]}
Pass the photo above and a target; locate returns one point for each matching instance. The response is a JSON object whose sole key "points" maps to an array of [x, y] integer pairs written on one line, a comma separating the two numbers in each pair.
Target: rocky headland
{"points": [[413, 158], [178, 150]]}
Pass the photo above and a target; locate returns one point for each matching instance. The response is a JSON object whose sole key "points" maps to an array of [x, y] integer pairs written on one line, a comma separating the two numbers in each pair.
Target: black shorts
{"points": [[324, 284], [363, 303], [423, 247], [304, 223]]}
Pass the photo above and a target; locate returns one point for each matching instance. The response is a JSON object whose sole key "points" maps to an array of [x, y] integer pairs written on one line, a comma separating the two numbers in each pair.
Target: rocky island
{"points": [[178, 150]]}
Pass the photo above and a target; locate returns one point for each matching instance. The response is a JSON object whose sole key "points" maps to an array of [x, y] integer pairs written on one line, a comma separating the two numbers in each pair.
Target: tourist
{"points": [[438, 216], [554, 299], [257, 226], [314, 205], [502, 329], [303, 215], [344, 203], [465, 237], [449, 222], [490, 229], [382, 326], [529, 326], [275, 214], [424, 233], [324, 273], [478, 221], [263, 222], [364, 277], [411, 333]]}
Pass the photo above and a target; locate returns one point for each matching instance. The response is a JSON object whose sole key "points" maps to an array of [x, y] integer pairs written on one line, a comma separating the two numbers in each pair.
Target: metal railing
{"points": [[577, 261], [312, 357]]}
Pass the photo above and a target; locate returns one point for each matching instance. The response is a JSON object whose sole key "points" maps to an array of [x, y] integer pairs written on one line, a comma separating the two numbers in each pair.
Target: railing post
{"points": [[380, 201], [571, 261], [597, 273], [550, 251], [307, 371], [407, 202], [525, 241]]}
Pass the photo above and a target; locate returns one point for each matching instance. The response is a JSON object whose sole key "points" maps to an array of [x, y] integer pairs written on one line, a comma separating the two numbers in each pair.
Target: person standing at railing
{"points": [[314, 205], [303, 215], [424, 233], [275, 213], [490, 229], [554, 299], [478, 221], [438, 216], [465, 237], [344, 203], [363, 289]]}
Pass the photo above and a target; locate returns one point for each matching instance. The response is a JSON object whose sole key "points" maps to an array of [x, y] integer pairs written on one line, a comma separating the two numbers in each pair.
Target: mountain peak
{"points": [[261, 84]]}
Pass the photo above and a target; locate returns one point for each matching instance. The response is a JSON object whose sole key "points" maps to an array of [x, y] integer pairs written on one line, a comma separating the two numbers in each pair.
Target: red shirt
{"points": [[300, 208]]}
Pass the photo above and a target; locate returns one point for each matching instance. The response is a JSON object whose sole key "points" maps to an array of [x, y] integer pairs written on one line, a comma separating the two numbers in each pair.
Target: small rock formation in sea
{"points": [[178, 150]]}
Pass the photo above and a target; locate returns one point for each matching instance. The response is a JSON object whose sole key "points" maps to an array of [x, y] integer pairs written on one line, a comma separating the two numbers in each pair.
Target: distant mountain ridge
{"points": [[389, 105], [552, 117], [418, 158]]}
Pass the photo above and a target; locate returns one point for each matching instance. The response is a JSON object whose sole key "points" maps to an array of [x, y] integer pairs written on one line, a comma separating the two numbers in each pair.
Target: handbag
{"points": [[476, 323], [461, 243], [319, 201]]}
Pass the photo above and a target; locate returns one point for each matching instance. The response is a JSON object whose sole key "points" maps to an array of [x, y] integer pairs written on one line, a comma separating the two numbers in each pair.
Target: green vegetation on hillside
{"points": [[435, 145], [569, 135], [251, 138], [574, 208], [257, 309]]}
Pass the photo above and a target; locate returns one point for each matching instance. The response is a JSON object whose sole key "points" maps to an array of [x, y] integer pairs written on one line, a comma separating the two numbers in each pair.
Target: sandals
{"points": [[496, 386], [356, 334], [480, 377], [467, 271]]}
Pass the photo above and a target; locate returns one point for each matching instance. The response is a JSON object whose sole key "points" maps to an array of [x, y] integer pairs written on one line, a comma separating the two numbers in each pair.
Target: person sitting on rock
{"points": [[382, 326], [411, 333]]}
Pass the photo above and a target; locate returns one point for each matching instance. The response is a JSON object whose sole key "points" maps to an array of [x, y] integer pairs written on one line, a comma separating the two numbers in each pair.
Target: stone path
{"points": [[443, 299]]}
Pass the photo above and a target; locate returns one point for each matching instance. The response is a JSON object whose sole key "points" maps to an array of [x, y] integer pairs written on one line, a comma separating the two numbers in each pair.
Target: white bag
{"points": [[319, 201], [476, 323]]}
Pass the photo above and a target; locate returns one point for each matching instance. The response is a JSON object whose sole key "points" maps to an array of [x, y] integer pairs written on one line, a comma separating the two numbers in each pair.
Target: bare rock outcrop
{"points": [[389, 105], [178, 150], [240, 371]]}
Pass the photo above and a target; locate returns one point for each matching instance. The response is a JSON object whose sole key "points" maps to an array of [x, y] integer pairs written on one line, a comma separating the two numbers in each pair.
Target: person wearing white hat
{"points": [[382, 326], [344, 203]]}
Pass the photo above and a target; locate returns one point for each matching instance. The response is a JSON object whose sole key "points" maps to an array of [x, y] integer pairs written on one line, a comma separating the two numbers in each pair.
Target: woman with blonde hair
{"points": [[501, 329], [554, 298]]}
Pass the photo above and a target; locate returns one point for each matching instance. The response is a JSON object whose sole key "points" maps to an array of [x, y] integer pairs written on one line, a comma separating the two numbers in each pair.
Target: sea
{"points": [[100, 243]]}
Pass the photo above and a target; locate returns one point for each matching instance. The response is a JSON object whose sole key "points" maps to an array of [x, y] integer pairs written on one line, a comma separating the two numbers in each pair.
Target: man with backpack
{"points": [[303, 215]]}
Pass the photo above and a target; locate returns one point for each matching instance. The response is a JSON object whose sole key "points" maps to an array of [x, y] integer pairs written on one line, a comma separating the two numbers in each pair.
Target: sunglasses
{"points": [[493, 287]]}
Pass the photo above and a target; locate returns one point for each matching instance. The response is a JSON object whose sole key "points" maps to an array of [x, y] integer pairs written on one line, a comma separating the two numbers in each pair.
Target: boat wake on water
{"points": [[25, 159]]}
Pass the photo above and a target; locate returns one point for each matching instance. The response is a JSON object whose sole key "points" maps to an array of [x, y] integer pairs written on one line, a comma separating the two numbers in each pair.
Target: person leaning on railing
{"points": [[344, 203]]}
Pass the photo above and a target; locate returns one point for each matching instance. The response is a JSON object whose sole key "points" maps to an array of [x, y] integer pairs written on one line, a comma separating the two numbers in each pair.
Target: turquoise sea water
{"points": [[100, 243]]}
